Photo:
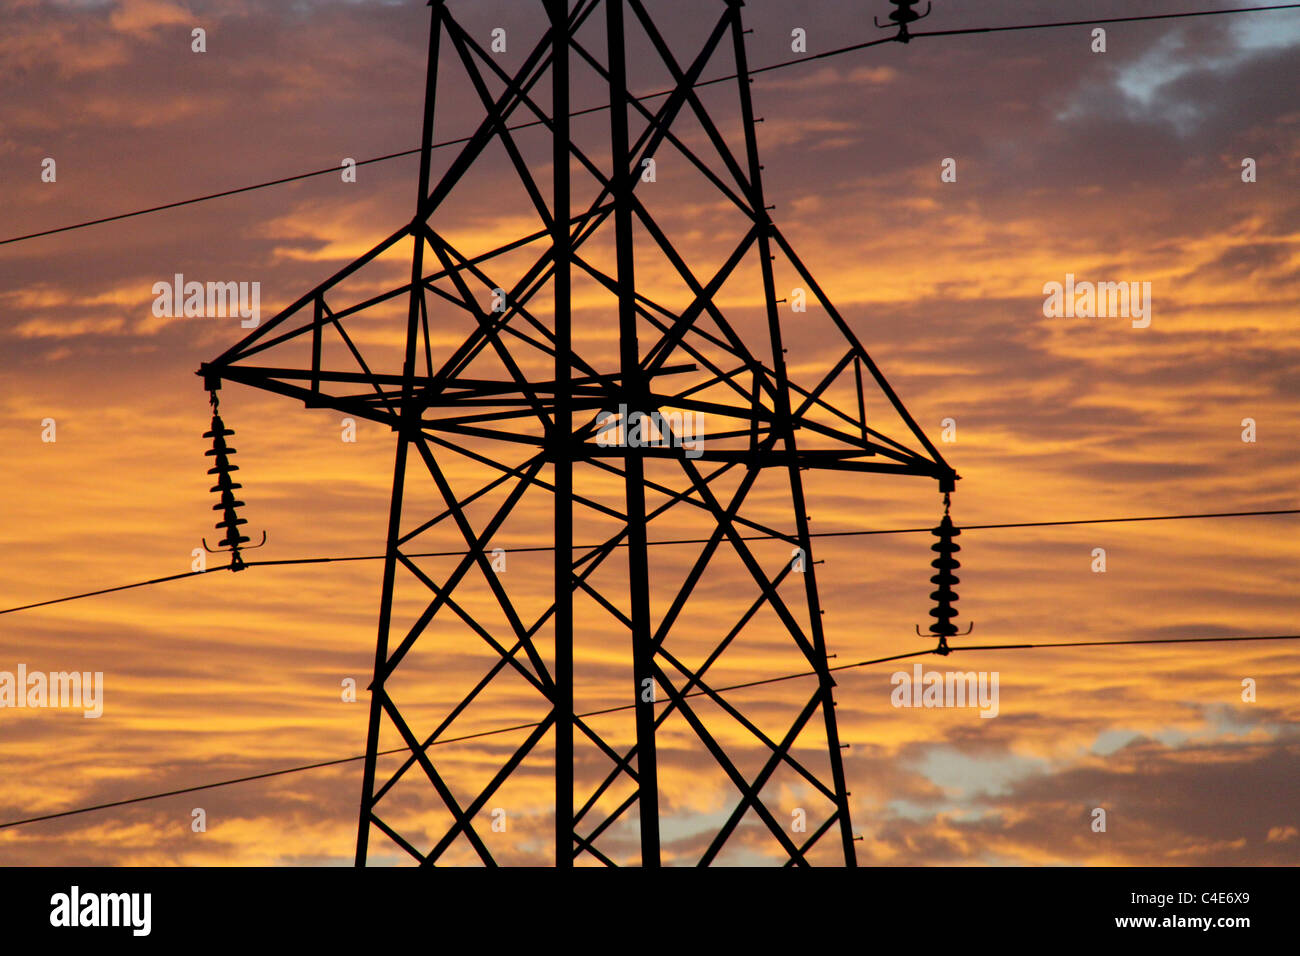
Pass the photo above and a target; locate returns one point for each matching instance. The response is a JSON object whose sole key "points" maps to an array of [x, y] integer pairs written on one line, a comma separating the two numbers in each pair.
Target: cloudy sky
{"points": [[1124, 165]]}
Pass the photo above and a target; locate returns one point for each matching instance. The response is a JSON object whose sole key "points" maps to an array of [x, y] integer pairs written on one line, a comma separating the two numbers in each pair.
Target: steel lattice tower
{"points": [[498, 370]]}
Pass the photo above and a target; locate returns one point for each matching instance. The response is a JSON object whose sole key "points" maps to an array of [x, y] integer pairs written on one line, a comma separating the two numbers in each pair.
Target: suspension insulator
{"points": [[226, 487], [945, 564], [904, 14]]}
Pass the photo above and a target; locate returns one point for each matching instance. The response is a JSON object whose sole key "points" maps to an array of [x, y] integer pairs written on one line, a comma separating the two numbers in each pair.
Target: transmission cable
{"points": [[610, 710], [284, 562], [649, 96]]}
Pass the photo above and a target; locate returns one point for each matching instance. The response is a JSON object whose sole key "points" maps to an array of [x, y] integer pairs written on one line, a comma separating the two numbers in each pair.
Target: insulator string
{"points": [[222, 467], [944, 579]]}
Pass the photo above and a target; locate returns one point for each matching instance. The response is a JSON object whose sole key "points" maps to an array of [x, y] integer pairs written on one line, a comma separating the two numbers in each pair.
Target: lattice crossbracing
{"points": [[588, 332]]}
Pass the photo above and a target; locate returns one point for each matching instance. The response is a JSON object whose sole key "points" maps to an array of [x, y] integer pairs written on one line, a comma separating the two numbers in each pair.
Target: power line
{"points": [[1089, 23], [217, 195], [282, 562], [649, 96], [610, 710], [1150, 640], [120, 587]]}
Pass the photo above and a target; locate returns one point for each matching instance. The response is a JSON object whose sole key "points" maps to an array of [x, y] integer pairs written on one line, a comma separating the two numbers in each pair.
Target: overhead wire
{"points": [[283, 562], [320, 764], [808, 58]]}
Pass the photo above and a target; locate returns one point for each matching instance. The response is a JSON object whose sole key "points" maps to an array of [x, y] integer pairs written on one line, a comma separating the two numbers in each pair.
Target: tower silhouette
{"points": [[618, 343]]}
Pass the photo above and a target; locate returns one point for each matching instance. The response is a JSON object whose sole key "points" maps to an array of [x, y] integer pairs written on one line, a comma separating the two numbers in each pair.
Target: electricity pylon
{"points": [[652, 390]]}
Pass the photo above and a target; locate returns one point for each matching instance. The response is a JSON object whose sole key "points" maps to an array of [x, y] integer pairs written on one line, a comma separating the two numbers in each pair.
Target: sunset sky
{"points": [[1117, 166]]}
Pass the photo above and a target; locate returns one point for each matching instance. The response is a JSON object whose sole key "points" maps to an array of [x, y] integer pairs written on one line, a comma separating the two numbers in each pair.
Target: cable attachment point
{"points": [[234, 541], [902, 17]]}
